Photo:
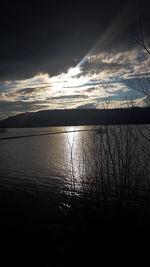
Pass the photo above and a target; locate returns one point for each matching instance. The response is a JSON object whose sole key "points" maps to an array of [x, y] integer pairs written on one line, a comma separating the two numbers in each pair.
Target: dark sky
{"points": [[47, 36]]}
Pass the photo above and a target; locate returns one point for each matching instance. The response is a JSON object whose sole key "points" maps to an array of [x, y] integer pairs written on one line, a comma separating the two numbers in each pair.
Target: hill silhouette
{"points": [[73, 117]]}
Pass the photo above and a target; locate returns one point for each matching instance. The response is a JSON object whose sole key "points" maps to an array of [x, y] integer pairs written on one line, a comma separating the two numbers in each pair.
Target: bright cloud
{"points": [[103, 78]]}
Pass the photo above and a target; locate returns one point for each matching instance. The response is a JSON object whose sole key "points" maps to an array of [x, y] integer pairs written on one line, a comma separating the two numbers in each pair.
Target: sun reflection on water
{"points": [[73, 155]]}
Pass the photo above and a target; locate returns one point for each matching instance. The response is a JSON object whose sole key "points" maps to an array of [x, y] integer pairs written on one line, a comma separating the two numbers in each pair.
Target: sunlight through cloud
{"points": [[74, 71]]}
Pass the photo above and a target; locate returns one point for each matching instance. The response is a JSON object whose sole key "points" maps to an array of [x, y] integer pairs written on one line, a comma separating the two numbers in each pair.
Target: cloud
{"points": [[141, 102], [67, 97], [47, 38], [86, 106], [21, 106], [105, 79], [119, 64], [28, 91]]}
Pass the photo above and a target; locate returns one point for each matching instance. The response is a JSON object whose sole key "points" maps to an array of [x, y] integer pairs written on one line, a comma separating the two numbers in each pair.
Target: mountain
{"points": [[70, 117]]}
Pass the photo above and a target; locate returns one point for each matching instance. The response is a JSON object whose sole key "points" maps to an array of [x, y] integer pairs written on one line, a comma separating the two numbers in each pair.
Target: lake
{"points": [[74, 185], [76, 161], [41, 160]]}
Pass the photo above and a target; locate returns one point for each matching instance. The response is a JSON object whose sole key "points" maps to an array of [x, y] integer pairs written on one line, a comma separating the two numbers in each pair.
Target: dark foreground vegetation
{"points": [[70, 117], [33, 233]]}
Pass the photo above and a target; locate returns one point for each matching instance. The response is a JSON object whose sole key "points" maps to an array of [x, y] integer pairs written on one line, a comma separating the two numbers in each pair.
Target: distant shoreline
{"points": [[78, 117]]}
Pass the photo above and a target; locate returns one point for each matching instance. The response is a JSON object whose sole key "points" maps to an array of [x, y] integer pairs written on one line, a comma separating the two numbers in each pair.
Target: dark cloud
{"points": [[40, 37], [67, 97], [97, 67], [140, 75], [21, 106], [30, 90], [90, 89], [27, 91]]}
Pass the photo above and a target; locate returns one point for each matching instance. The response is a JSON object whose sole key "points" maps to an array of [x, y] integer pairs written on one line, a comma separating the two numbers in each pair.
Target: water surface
{"points": [[76, 161]]}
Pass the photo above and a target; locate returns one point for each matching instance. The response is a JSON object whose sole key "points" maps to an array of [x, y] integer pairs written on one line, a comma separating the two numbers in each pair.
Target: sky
{"points": [[72, 54]]}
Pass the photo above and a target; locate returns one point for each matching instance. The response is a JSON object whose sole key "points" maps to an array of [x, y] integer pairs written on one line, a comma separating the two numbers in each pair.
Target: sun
{"points": [[74, 71], [68, 83]]}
